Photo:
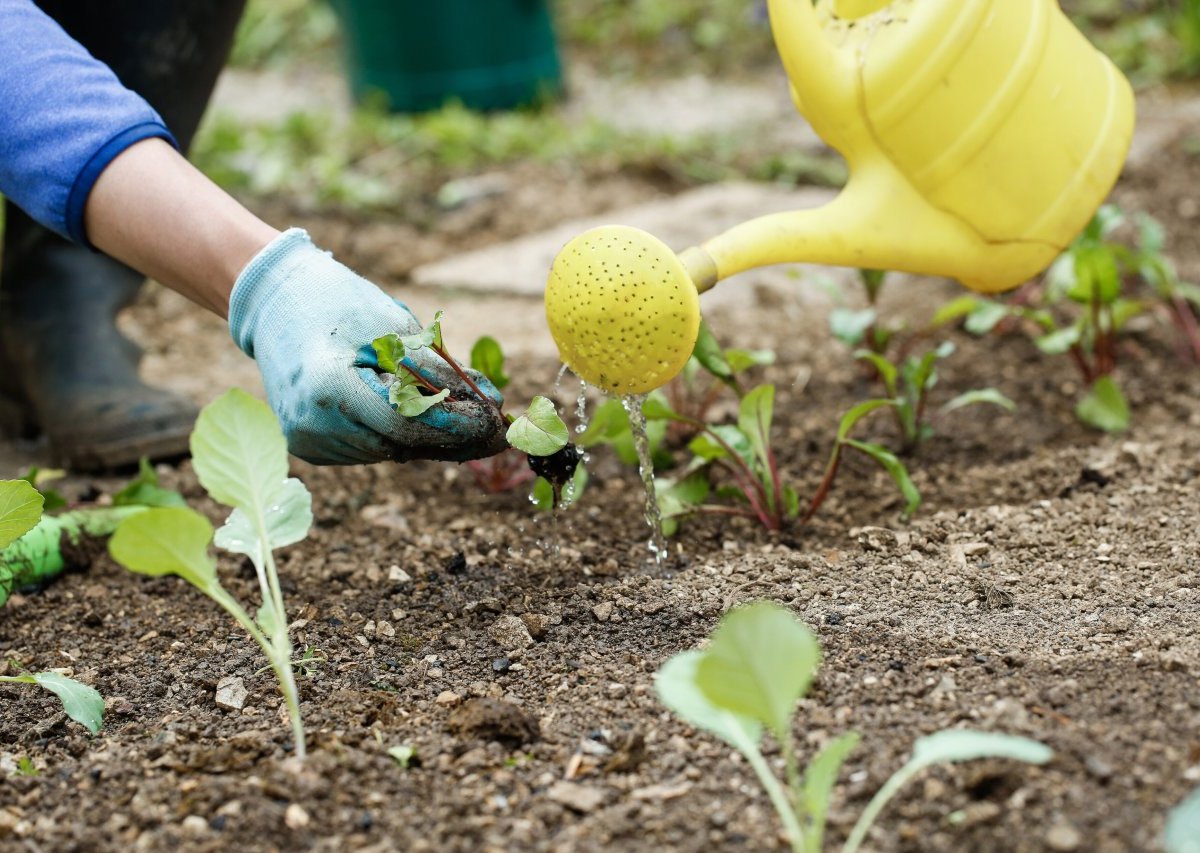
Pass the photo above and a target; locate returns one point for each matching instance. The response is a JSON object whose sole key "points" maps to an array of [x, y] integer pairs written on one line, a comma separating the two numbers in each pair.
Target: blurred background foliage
{"points": [[375, 161]]}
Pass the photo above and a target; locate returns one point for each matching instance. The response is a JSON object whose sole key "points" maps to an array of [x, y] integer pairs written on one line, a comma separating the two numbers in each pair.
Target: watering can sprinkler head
{"points": [[981, 136]]}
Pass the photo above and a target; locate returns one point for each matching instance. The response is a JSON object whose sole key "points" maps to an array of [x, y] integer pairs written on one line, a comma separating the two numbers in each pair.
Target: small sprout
{"points": [[1104, 406], [404, 755], [26, 767], [82, 703], [488, 358]]}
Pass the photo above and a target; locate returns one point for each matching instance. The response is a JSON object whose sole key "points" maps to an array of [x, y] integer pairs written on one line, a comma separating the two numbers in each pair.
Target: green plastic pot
{"points": [[488, 54]]}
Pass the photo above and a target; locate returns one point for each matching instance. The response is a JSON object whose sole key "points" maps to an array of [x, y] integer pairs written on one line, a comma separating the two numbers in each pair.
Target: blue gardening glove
{"points": [[309, 321]]}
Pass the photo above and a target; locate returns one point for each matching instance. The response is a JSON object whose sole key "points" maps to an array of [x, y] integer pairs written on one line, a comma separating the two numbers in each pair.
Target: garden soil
{"points": [[1047, 587]]}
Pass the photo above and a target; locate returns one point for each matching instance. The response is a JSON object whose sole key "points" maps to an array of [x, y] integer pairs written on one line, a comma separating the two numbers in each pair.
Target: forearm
{"points": [[154, 211]]}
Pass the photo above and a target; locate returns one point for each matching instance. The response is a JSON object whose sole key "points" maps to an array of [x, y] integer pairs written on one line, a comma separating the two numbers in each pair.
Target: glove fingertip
{"points": [[371, 379]]}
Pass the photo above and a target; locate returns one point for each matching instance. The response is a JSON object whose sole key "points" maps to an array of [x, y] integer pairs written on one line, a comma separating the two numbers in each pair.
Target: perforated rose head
{"points": [[622, 309]]}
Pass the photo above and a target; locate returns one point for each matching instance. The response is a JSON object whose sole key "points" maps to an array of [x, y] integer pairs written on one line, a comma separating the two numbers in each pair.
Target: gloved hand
{"points": [[309, 321]]}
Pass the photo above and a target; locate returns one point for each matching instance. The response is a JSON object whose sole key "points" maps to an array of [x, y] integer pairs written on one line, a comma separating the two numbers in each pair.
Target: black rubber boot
{"points": [[65, 370]]}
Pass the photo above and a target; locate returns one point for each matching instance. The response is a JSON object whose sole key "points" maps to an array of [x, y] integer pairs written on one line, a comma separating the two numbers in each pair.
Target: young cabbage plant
{"points": [[908, 386], [541, 434], [863, 327], [240, 457], [20, 513], [758, 664]]}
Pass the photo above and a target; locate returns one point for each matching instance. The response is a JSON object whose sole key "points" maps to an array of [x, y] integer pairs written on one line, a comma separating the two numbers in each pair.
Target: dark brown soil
{"points": [[1048, 587]]}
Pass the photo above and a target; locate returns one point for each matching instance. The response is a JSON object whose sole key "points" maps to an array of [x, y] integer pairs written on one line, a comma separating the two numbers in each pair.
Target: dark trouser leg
{"points": [[64, 368]]}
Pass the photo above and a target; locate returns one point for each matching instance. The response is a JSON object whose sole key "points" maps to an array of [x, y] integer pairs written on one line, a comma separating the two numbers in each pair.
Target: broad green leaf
{"points": [[288, 522], [850, 326], [389, 352], [678, 497], [1151, 235], [410, 401], [896, 470], [953, 310], [760, 661], [819, 778], [488, 358], [83, 704], [709, 354], [144, 490], [980, 395], [743, 359], [1060, 340], [951, 745], [857, 413], [540, 431], [239, 452], [167, 541], [20, 510], [1096, 275], [1182, 833], [985, 317], [1104, 406], [677, 685], [754, 419]]}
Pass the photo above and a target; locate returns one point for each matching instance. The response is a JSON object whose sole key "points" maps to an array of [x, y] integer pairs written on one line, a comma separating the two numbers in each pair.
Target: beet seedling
{"points": [[1080, 309], [20, 513], [240, 457], [758, 664], [509, 469], [908, 385]]}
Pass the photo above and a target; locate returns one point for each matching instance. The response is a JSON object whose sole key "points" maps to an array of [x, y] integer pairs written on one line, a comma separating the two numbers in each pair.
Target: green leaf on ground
{"points": [[20, 510], [759, 663], [540, 431], [144, 490], [1104, 406], [83, 704], [980, 395]]}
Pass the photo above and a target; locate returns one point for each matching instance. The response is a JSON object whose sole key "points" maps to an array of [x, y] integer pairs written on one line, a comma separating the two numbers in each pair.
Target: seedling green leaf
{"points": [[952, 745], [83, 704], [430, 336], [678, 686], [819, 779], [287, 522], [754, 420], [980, 395], [540, 431], [1060, 340], [1182, 833], [953, 310], [239, 452], [710, 355], [760, 662], [896, 470], [985, 317], [144, 490], [1104, 406], [389, 352], [167, 541], [406, 395], [741, 360], [488, 358], [850, 326], [404, 754], [20, 510]]}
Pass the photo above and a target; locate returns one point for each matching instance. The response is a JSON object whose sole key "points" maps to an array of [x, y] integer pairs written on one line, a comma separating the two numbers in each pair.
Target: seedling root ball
{"points": [[622, 309]]}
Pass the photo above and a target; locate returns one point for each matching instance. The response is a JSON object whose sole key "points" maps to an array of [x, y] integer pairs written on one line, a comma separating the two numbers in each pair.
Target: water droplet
{"points": [[641, 441], [581, 408]]}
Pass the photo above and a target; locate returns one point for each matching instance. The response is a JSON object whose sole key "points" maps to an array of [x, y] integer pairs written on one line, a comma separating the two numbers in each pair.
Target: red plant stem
{"points": [[421, 380], [826, 484], [1081, 362], [1185, 318], [462, 374], [753, 491]]}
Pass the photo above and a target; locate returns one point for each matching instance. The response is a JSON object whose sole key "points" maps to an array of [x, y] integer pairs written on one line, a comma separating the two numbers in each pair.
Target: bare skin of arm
{"points": [[154, 211]]}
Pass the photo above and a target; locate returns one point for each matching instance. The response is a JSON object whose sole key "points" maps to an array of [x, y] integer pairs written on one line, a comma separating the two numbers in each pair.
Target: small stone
{"points": [[537, 624], [509, 632], [448, 698], [576, 797], [501, 665], [385, 629], [603, 611], [975, 549], [398, 575], [231, 693], [1063, 837], [194, 825], [616, 690], [1098, 768], [384, 515], [296, 817]]}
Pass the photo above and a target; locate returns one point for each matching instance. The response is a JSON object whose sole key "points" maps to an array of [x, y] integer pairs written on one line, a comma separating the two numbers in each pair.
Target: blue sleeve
{"points": [[64, 117]]}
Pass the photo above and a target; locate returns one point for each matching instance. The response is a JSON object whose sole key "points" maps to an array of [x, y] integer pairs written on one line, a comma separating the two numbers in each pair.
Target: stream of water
{"points": [[637, 425]]}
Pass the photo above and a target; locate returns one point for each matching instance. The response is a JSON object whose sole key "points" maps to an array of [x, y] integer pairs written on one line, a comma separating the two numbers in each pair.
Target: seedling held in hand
{"points": [[20, 511], [758, 664], [240, 457]]}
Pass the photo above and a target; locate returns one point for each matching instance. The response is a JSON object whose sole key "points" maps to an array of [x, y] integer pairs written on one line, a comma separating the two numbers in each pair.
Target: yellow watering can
{"points": [[981, 136]]}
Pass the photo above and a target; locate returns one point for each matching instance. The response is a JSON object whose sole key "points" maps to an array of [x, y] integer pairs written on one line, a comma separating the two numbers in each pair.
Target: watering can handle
{"points": [[821, 76]]}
